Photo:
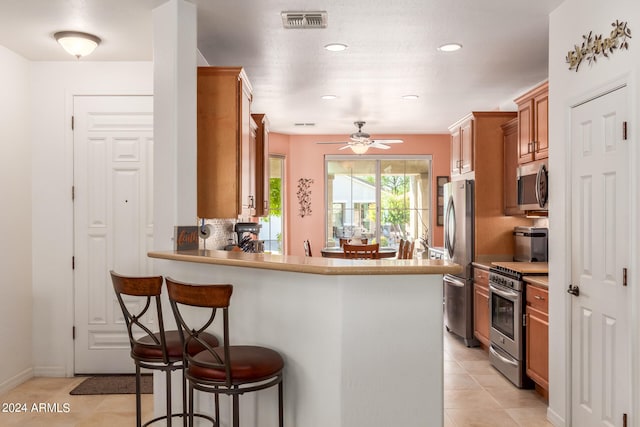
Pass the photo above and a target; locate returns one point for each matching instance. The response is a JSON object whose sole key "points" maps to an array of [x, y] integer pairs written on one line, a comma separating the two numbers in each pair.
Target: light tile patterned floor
{"points": [[475, 395]]}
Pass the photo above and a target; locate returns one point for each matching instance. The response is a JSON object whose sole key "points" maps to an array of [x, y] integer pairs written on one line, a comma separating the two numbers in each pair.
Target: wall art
{"points": [[594, 46], [304, 196]]}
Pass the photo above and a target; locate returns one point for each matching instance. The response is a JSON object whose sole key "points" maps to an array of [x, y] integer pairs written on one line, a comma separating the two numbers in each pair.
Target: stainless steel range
{"points": [[507, 321]]}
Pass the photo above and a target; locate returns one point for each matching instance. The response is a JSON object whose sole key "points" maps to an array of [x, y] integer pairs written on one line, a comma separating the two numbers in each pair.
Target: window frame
{"points": [[378, 158]]}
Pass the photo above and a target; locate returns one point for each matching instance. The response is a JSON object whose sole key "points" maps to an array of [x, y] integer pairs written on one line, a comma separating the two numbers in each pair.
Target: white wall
{"points": [[52, 86], [567, 25], [15, 221]]}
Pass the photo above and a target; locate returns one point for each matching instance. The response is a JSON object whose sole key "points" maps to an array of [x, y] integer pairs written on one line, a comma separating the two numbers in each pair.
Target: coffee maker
{"points": [[245, 240]]}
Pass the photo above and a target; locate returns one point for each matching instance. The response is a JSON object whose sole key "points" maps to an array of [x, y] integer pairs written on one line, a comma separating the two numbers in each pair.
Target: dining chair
{"points": [[362, 251]]}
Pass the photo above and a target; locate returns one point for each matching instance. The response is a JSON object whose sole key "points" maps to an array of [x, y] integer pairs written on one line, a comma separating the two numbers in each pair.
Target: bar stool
{"points": [[231, 370], [161, 350]]}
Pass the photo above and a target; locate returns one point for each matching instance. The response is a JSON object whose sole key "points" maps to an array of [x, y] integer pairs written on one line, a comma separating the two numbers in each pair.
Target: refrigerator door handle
{"points": [[453, 281]]}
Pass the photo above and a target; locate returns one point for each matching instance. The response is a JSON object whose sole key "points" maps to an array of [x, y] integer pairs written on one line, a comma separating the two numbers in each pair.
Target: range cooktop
{"points": [[524, 268]]}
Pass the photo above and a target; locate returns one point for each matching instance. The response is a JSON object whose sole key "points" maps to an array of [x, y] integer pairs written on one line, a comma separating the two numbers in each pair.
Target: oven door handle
{"points": [[501, 357], [503, 293]]}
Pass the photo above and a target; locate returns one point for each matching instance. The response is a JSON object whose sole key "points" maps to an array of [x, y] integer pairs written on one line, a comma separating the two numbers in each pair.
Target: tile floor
{"points": [[84, 411], [475, 395]]}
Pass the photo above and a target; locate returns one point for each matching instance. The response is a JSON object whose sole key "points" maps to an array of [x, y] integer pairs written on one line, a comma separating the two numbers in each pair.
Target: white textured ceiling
{"points": [[392, 52]]}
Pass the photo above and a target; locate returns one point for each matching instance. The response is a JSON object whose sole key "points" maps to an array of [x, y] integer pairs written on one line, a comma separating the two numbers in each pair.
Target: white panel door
{"points": [[113, 221], [600, 251]]}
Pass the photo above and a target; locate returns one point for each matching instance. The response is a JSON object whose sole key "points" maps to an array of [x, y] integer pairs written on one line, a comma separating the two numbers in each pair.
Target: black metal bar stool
{"points": [[231, 370], [161, 350]]}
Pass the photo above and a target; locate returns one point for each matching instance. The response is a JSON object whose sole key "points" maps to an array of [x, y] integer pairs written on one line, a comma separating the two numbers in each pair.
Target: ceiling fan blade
{"points": [[379, 145], [345, 147], [388, 141]]}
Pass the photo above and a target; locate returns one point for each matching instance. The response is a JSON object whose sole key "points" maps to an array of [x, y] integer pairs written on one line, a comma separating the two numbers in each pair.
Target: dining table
{"points": [[338, 252]]}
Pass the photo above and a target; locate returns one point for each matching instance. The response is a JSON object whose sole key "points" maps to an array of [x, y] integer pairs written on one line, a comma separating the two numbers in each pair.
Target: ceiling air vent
{"points": [[304, 19]]}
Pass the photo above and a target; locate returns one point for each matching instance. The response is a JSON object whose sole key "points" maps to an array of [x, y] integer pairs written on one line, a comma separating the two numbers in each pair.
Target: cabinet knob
{"points": [[251, 202], [538, 297]]}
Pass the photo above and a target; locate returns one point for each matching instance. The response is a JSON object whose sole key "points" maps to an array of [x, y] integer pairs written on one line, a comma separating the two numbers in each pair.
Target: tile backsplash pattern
{"points": [[222, 231]]}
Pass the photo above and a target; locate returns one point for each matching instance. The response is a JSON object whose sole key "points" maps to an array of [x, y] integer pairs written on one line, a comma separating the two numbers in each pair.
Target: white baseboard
{"points": [[555, 419], [16, 380], [49, 371]]}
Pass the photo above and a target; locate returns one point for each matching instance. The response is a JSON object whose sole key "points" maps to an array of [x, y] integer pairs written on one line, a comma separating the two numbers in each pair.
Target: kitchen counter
{"points": [[313, 265], [481, 265], [336, 322], [542, 281]]}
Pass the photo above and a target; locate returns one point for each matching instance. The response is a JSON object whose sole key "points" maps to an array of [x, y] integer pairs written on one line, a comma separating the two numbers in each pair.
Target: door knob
{"points": [[574, 290]]}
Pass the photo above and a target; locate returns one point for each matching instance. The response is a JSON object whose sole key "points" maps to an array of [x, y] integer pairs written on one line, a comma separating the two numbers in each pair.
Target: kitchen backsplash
{"points": [[222, 231]]}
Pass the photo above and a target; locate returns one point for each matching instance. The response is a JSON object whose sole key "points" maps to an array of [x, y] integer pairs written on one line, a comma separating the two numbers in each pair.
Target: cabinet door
{"points": [[510, 139], [525, 132], [466, 147], [247, 157], [262, 165], [537, 347], [481, 313], [456, 154], [541, 124]]}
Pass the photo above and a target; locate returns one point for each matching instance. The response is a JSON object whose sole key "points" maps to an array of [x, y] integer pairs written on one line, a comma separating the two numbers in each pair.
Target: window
{"points": [[272, 231], [382, 198]]}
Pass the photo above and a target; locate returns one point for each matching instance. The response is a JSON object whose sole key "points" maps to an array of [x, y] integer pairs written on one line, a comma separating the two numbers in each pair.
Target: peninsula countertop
{"points": [[312, 265]]}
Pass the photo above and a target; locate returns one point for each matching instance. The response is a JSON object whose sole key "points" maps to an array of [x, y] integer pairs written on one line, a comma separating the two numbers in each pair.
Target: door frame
{"points": [[69, 96], [628, 80]]}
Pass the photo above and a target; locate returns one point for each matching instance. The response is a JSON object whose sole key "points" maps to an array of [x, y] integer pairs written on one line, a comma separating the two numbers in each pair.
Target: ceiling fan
{"points": [[360, 142]]}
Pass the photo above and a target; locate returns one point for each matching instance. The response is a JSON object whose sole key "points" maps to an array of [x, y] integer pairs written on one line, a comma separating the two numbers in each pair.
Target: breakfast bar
{"points": [[361, 339]]}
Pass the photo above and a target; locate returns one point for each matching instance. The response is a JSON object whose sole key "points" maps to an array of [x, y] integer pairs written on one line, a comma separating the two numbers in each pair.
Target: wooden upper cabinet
{"points": [[533, 124], [262, 164], [224, 141], [462, 147], [510, 136], [456, 151]]}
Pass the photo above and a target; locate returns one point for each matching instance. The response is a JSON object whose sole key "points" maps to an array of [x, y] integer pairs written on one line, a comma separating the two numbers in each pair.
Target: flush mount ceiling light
{"points": [[329, 96], [336, 47], [77, 43], [410, 97], [450, 47]]}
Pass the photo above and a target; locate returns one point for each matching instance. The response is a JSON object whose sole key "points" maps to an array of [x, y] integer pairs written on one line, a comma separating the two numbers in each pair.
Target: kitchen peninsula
{"points": [[362, 339]]}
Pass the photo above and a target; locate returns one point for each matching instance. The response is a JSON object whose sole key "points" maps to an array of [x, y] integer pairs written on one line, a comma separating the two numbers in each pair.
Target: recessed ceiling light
{"points": [[329, 96], [450, 47], [336, 47], [410, 97]]}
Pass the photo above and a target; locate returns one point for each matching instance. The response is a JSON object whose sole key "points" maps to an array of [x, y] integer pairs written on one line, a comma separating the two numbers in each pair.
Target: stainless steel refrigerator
{"points": [[459, 244]]}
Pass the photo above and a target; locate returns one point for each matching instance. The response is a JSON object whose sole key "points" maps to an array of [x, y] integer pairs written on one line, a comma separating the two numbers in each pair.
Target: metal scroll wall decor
{"points": [[594, 46], [304, 196]]}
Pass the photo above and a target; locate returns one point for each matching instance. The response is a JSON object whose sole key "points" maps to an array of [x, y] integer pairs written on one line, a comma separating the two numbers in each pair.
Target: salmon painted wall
{"points": [[305, 159]]}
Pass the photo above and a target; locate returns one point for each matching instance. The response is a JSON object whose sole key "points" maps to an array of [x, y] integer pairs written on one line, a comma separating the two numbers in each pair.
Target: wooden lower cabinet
{"points": [[481, 306], [537, 335]]}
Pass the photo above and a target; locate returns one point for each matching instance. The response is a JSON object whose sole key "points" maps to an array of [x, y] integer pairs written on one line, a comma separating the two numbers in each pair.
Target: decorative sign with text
{"points": [[186, 237], [594, 46]]}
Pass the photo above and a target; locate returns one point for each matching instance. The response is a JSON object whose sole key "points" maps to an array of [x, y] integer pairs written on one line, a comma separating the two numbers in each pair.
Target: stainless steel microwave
{"points": [[533, 188]]}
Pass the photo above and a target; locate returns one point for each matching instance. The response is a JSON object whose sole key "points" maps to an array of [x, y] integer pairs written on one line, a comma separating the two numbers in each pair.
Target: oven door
{"points": [[505, 311]]}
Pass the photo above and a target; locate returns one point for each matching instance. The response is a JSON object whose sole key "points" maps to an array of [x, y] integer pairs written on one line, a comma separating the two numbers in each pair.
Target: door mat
{"points": [[114, 384]]}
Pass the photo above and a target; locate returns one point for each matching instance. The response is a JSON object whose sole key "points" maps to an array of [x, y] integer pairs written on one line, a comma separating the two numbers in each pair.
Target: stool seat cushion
{"points": [[248, 363], [147, 349]]}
